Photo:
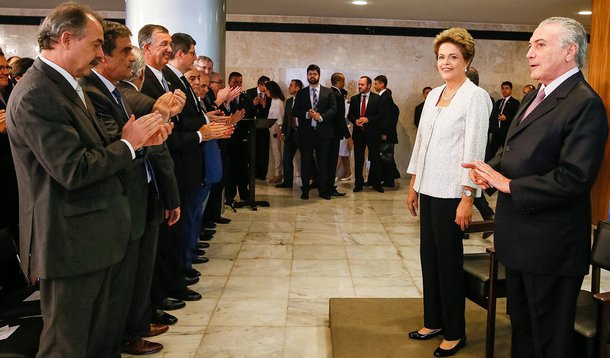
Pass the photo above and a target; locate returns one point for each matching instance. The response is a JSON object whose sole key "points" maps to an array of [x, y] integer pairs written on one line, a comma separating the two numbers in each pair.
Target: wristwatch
{"points": [[469, 193]]}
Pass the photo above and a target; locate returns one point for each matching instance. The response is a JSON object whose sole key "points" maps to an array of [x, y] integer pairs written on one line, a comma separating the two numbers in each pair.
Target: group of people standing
{"points": [[551, 153]]}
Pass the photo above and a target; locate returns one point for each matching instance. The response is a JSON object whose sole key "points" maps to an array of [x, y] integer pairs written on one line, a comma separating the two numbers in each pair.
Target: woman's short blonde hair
{"points": [[459, 37]]}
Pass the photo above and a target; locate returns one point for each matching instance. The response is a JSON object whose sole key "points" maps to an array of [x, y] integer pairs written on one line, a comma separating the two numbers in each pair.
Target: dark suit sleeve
{"points": [[331, 111], [353, 112], [163, 166], [577, 163]]}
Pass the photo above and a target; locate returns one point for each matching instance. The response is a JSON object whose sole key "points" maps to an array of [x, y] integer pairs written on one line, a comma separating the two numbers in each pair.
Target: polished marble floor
{"points": [[272, 272]]}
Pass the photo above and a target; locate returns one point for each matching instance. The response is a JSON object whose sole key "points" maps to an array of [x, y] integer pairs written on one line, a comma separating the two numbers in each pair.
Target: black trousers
{"points": [[482, 205], [290, 149], [333, 158], [238, 157], [360, 144], [442, 263], [541, 309]]}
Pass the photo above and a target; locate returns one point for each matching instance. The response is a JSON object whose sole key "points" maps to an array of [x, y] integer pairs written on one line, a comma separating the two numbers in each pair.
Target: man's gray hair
{"points": [[137, 66], [68, 17], [573, 33]]}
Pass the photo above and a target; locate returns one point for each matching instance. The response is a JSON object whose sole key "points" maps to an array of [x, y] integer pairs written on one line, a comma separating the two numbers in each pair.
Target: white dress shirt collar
{"points": [[548, 89], [157, 74], [383, 90], [61, 71], [107, 83], [175, 71]]}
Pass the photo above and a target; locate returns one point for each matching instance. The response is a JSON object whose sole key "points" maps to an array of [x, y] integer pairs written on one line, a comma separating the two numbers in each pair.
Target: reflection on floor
{"points": [[272, 271]]}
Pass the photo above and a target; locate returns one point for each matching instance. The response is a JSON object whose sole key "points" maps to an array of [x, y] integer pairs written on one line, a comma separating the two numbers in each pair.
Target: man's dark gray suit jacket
{"points": [[552, 157], [74, 211]]}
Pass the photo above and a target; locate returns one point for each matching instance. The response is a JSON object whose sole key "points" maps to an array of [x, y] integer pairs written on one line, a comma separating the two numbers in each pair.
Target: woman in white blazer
{"points": [[452, 130]]}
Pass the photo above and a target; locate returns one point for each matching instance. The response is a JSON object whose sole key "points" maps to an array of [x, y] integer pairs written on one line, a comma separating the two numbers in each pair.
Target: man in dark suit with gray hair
{"points": [[544, 176], [75, 218]]}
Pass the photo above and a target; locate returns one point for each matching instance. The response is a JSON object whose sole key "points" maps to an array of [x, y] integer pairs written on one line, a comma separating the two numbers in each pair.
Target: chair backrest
{"points": [[11, 276], [600, 256]]}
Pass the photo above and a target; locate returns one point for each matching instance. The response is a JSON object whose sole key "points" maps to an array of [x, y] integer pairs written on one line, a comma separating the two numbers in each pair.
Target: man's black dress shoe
{"points": [[325, 196], [205, 236], [203, 245], [160, 317], [187, 280], [304, 196], [424, 337], [209, 231], [283, 185], [209, 225], [439, 352], [378, 188], [170, 304], [336, 193], [221, 220], [199, 260], [192, 272], [357, 188], [199, 252], [186, 294]]}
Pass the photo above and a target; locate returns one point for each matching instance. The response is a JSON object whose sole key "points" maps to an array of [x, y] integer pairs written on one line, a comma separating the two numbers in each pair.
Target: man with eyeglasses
{"points": [[204, 64]]}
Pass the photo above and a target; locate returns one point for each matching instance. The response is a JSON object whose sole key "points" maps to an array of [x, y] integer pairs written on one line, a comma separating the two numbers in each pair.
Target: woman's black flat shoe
{"points": [[439, 352], [422, 337]]}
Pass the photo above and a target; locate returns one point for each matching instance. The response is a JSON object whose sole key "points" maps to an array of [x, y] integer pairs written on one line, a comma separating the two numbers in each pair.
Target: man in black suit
{"points": [[75, 213], [544, 176], [289, 135], [259, 105], [501, 116], [315, 107], [389, 113], [364, 114], [420, 107], [337, 81], [144, 181]]}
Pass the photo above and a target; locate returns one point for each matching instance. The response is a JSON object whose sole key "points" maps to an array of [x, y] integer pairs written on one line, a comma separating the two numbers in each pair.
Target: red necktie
{"points": [[363, 106]]}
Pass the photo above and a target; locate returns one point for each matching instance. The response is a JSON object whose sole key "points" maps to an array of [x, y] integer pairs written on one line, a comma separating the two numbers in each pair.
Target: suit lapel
{"points": [[71, 94], [550, 102]]}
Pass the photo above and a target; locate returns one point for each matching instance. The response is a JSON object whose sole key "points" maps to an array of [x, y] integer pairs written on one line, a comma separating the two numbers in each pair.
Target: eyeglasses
{"points": [[8, 68], [192, 53], [215, 81]]}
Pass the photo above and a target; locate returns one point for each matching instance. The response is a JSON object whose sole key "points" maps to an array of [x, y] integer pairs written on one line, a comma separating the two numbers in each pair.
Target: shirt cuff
{"points": [[200, 136], [321, 119], [133, 152]]}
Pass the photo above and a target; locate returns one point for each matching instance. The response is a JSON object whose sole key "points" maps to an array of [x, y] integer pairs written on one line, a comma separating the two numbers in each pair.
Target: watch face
{"points": [[468, 193]]}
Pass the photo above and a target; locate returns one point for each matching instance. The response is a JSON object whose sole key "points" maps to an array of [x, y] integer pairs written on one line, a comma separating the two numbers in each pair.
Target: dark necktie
{"points": [[119, 99], [502, 104]]}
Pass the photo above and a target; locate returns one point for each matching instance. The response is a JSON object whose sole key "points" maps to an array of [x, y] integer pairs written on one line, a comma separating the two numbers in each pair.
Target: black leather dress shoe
{"points": [[378, 188], [199, 260], [221, 220], [192, 272], [160, 317], [424, 337], [336, 193], [304, 196], [209, 225], [187, 280], [439, 352], [187, 294], [205, 236], [357, 188], [325, 196], [283, 185], [209, 231], [199, 252], [203, 245], [170, 304]]}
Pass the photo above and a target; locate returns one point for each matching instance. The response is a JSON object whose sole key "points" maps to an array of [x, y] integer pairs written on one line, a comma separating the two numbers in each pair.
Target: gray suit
{"points": [[74, 211]]}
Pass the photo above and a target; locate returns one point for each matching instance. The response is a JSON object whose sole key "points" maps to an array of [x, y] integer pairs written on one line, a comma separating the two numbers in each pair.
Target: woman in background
{"points": [[276, 111]]}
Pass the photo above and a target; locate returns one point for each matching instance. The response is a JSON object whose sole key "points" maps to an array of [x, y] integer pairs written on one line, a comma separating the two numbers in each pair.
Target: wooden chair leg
{"points": [[491, 307]]}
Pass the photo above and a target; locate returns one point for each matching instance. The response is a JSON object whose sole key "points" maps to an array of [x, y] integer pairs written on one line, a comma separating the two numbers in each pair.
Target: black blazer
{"points": [[417, 115], [257, 111], [341, 130], [510, 109], [388, 117], [369, 130], [552, 157], [327, 107], [158, 156], [287, 129], [183, 143]]}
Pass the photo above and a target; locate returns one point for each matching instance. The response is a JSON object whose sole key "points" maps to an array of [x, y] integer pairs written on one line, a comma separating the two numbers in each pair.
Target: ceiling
{"points": [[527, 12]]}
